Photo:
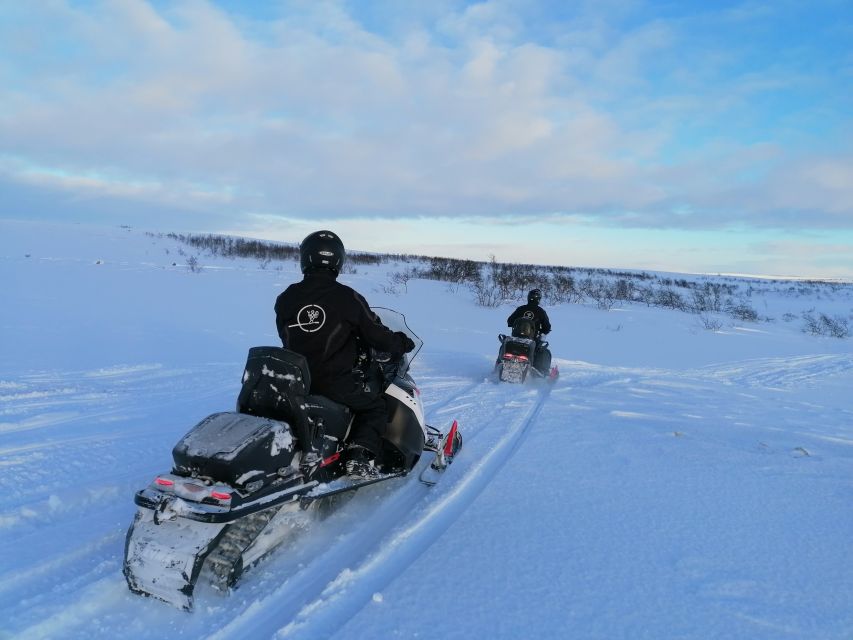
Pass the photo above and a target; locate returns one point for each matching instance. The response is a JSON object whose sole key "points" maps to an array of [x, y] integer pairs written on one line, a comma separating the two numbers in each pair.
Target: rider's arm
{"points": [[376, 334], [515, 315], [546, 323]]}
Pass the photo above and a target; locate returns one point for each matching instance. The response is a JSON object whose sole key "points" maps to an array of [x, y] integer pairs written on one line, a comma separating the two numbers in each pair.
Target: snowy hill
{"points": [[676, 482]]}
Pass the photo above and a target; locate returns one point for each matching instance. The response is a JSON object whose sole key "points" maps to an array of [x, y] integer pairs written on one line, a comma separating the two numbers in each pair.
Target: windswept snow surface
{"points": [[674, 483]]}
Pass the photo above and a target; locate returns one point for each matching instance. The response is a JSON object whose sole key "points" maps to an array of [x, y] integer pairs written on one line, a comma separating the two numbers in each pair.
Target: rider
{"points": [[532, 311], [326, 322]]}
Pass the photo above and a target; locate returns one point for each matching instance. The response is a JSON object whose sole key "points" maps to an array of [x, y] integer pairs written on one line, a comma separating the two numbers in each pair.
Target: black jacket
{"points": [[323, 320], [534, 312]]}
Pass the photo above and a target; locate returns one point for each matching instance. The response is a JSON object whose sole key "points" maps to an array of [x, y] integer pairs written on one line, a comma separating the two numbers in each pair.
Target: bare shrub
{"points": [[669, 299], [399, 279], [562, 289], [451, 270], [193, 265], [486, 293], [624, 290], [710, 323], [823, 325], [742, 311], [707, 298]]}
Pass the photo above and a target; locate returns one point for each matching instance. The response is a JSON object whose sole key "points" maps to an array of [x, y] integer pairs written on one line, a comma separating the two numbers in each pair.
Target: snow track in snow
{"points": [[337, 584], [333, 568]]}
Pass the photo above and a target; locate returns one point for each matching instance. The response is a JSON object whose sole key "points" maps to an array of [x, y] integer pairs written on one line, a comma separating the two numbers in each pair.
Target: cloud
{"points": [[449, 111]]}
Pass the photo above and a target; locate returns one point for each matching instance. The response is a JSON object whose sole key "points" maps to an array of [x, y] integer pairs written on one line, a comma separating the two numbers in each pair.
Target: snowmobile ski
{"points": [[445, 446]]}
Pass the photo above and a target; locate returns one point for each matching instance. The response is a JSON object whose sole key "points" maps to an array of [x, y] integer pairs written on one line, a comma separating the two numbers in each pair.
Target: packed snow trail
{"points": [[394, 533], [339, 562]]}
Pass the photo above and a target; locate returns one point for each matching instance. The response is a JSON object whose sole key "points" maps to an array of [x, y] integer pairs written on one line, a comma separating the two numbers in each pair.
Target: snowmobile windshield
{"points": [[396, 321]]}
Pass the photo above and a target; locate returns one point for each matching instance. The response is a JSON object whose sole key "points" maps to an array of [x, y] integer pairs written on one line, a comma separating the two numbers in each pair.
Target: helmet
{"points": [[534, 296], [322, 250]]}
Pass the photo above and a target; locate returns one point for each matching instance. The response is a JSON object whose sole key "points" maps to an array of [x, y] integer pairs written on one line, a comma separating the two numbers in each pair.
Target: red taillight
{"points": [[330, 459], [165, 482], [220, 495], [522, 358]]}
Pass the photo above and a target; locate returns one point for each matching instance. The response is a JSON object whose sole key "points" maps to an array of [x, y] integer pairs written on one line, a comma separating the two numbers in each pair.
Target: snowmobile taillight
{"points": [[332, 458], [220, 495], [164, 482]]}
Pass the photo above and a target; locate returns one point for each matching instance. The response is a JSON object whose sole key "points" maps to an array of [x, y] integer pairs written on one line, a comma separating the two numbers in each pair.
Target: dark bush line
{"points": [[493, 283]]}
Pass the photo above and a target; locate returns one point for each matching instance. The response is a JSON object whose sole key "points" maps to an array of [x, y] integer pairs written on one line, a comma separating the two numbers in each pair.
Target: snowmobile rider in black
{"points": [[534, 312], [327, 322]]}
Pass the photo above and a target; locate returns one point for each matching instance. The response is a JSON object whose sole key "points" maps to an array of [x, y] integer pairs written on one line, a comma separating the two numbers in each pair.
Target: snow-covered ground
{"points": [[674, 483]]}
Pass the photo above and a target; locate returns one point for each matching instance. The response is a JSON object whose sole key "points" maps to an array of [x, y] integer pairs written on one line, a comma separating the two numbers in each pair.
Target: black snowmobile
{"points": [[523, 354], [239, 476]]}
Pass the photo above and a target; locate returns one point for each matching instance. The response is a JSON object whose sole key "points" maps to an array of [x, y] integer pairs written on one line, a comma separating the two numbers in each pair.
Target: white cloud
{"points": [[312, 114]]}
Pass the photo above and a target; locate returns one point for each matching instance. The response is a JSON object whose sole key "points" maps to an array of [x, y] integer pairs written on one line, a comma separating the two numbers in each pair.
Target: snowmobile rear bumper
{"points": [[168, 506]]}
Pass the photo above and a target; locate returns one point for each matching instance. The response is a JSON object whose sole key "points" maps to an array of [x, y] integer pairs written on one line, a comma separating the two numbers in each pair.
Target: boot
{"points": [[359, 464]]}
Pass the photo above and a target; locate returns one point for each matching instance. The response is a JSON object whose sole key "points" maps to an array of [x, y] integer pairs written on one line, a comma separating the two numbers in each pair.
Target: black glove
{"points": [[408, 343]]}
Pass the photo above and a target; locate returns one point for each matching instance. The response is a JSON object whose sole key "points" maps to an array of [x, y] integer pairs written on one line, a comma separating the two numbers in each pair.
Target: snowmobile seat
{"points": [[275, 384], [329, 419], [524, 328]]}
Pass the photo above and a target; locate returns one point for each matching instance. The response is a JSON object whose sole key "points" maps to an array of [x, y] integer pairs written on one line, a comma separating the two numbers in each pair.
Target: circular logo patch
{"points": [[310, 318]]}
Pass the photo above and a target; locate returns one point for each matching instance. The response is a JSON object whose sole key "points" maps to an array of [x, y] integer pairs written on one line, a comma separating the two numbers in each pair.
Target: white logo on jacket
{"points": [[310, 318]]}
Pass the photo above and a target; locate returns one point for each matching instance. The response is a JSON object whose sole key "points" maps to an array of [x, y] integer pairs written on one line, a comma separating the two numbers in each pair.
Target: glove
{"points": [[408, 343]]}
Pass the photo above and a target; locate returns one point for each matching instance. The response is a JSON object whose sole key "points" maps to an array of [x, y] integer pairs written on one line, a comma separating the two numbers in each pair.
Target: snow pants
{"points": [[364, 395]]}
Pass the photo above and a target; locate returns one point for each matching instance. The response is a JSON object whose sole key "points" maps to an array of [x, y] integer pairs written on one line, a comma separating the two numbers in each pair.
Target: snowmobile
{"points": [[523, 354], [239, 477]]}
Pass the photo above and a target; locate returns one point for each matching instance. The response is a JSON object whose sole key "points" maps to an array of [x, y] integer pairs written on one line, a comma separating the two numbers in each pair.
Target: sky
{"points": [[681, 136]]}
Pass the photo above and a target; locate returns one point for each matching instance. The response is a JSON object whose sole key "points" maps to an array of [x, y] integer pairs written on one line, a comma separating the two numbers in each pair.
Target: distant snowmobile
{"points": [[238, 476], [521, 355]]}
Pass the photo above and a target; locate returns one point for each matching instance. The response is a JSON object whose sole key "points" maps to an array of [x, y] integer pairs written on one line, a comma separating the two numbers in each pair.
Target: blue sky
{"points": [[683, 136]]}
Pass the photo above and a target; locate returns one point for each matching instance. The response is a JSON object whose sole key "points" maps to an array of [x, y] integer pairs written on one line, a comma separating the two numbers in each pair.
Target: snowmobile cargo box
{"points": [[235, 448]]}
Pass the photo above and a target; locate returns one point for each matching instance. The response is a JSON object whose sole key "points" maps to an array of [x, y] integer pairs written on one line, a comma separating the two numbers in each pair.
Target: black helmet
{"points": [[322, 250], [534, 296]]}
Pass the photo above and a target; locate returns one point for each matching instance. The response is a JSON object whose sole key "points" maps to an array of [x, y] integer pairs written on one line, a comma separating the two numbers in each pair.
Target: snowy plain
{"points": [[675, 482]]}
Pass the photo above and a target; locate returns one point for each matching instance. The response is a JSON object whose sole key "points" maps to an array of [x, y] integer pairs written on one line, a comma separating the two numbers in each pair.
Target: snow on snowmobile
{"points": [[238, 477], [523, 354]]}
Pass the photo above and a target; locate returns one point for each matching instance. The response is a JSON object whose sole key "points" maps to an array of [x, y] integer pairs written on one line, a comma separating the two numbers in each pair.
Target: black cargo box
{"points": [[235, 448]]}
